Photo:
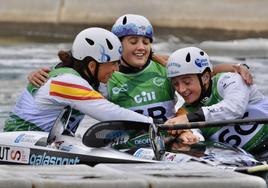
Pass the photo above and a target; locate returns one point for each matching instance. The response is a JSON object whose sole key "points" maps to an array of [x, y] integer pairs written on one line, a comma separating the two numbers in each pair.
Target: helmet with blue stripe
{"points": [[100, 44], [190, 60], [132, 24]]}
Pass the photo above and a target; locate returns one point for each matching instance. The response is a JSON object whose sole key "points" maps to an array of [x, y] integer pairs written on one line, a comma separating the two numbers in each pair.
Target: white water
{"points": [[18, 59]]}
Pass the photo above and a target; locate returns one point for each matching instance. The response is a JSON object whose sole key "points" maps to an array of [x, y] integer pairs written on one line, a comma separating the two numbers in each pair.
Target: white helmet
{"points": [[132, 24], [100, 44], [189, 60]]}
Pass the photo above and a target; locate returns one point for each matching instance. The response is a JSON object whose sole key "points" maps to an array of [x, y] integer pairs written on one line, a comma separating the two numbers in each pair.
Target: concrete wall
{"points": [[244, 15], [169, 175]]}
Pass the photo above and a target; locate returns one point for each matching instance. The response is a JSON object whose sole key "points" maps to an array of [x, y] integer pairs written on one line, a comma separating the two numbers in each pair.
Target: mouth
{"points": [[186, 96], [140, 55]]}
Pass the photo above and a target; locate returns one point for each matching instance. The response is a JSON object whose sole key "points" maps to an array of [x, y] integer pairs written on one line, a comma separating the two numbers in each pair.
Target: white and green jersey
{"points": [[148, 92], [231, 98], [38, 108]]}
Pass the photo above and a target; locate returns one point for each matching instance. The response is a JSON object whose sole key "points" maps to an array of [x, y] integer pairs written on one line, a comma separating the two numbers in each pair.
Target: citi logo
{"points": [[145, 96]]}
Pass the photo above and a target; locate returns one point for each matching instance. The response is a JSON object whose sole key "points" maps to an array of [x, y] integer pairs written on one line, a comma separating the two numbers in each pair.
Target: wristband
{"points": [[243, 64]]}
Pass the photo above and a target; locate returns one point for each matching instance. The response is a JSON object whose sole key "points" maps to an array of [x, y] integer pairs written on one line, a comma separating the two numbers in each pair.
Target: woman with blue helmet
{"points": [[141, 83]]}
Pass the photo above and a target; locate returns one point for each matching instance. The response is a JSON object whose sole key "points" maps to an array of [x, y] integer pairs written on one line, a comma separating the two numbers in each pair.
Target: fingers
{"points": [[249, 79], [175, 133], [189, 139], [38, 78], [245, 74]]}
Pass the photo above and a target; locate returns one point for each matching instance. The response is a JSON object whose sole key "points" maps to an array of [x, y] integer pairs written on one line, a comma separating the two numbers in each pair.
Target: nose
{"points": [[180, 88], [140, 45]]}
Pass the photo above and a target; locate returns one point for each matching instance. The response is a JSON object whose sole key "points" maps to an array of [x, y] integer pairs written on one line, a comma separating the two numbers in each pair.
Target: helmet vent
{"points": [[109, 44], [188, 58], [124, 20], [90, 42], [202, 53]]}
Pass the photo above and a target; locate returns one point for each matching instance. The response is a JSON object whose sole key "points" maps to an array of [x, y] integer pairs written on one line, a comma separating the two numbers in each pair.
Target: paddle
{"points": [[200, 125], [107, 132], [59, 125], [112, 133]]}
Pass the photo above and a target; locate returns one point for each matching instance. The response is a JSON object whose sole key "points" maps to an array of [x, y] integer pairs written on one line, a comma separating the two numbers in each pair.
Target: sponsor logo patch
{"points": [[14, 154], [117, 90], [201, 62], [158, 81], [145, 97], [25, 138], [46, 159]]}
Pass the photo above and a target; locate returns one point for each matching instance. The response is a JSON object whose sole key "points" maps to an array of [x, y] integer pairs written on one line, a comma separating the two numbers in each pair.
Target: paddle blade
{"points": [[112, 133], [59, 125]]}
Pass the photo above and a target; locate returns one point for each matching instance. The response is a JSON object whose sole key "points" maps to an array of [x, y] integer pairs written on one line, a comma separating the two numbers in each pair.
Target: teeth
{"points": [[139, 54], [186, 95]]}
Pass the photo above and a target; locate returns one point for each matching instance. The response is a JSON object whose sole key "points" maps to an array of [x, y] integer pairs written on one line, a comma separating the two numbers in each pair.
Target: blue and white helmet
{"points": [[100, 44], [190, 60], [132, 24]]}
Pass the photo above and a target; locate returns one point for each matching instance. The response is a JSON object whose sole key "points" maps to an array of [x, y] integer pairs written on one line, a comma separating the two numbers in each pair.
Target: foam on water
{"points": [[18, 60]]}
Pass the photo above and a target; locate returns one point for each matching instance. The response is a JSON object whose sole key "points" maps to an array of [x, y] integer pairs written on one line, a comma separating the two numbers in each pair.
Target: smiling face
{"points": [[136, 50], [106, 70], [188, 87]]}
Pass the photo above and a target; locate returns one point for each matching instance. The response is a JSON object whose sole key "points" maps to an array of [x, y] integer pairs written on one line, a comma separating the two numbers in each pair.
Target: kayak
{"points": [[100, 142], [31, 148], [56, 148]]}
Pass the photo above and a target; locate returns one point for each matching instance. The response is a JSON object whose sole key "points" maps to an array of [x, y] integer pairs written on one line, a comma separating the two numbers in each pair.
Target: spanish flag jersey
{"points": [[38, 108]]}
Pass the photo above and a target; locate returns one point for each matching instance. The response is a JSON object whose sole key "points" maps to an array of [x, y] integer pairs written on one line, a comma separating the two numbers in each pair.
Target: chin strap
{"points": [[81, 66], [205, 93], [92, 79]]}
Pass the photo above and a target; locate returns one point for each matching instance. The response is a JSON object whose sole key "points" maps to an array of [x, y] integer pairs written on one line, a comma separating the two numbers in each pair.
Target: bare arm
{"points": [[162, 59]]}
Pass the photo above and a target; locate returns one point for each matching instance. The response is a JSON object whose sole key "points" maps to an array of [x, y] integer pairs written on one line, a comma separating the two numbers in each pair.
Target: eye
{"points": [[110, 46], [202, 53], [188, 57], [146, 41], [90, 42], [124, 20]]}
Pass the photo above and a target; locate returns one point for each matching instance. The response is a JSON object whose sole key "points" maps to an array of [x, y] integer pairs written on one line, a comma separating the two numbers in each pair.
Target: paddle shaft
{"points": [[198, 125]]}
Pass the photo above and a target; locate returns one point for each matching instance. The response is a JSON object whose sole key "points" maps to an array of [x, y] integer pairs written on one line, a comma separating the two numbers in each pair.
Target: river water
{"points": [[19, 57]]}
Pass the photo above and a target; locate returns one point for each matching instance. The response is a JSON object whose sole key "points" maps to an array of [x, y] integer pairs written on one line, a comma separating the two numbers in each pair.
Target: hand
{"points": [[187, 137], [244, 72], [162, 59], [177, 120], [39, 77]]}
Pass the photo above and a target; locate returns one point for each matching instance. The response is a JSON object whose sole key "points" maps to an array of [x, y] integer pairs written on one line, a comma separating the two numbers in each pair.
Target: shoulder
{"points": [[70, 80], [228, 77], [229, 82], [157, 67]]}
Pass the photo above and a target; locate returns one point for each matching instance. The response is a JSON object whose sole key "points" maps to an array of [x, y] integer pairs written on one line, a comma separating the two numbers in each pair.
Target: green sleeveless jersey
{"points": [[148, 92]]}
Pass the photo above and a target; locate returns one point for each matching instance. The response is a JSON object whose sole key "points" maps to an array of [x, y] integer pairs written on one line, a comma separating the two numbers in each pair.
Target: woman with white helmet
{"points": [[222, 97], [74, 82]]}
